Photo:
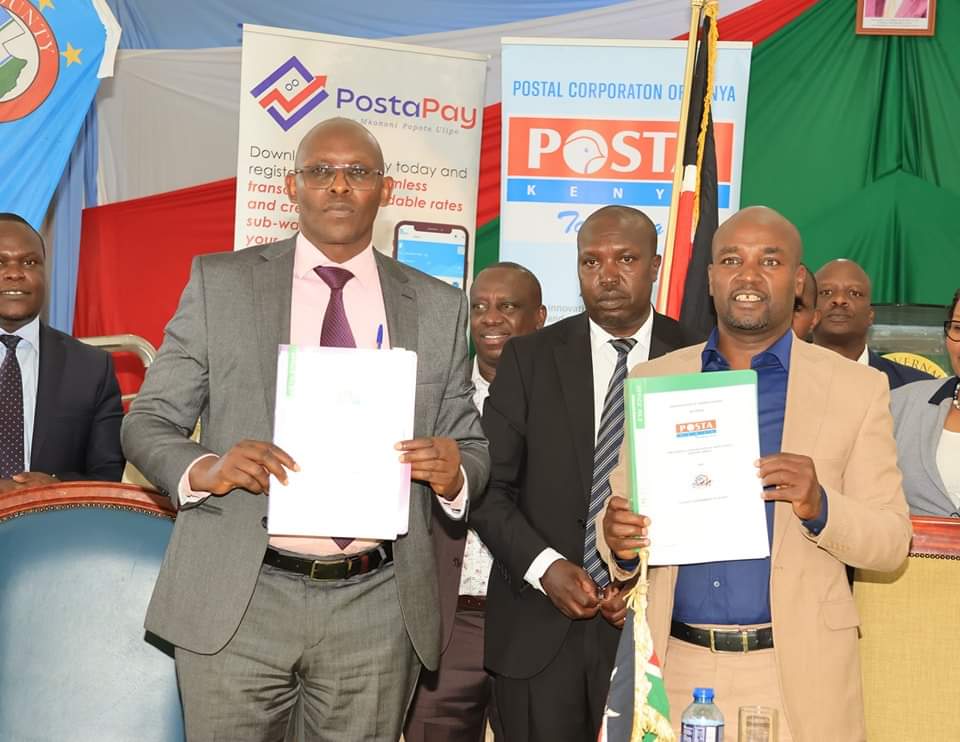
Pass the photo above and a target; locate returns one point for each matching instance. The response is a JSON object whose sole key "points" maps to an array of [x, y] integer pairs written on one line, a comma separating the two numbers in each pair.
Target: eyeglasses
{"points": [[322, 176], [951, 328]]}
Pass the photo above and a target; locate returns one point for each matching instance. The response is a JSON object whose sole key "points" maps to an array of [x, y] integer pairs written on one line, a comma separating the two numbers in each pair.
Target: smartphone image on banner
{"points": [[439, 250]]}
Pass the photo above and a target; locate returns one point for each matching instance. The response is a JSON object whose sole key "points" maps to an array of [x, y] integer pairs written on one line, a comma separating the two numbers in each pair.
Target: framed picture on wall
{"points": [[896, 17]]}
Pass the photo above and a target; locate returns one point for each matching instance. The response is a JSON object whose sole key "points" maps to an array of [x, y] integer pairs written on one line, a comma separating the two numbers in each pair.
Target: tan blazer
{"points": [[838, 414]]}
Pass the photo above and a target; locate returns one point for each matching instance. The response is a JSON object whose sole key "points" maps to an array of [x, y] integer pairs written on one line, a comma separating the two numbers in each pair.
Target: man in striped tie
{"points": [[554, 419]]}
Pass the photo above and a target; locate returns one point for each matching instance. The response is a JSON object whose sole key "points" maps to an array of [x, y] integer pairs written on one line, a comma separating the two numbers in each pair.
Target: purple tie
{"points": [[11, 410], [336, 332]]}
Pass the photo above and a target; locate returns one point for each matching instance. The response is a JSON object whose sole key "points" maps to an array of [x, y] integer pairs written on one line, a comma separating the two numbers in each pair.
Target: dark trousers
{"points": [[564, 702], [451, 703]]}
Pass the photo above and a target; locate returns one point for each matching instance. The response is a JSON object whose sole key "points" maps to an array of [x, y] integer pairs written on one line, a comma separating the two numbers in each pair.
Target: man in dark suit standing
{"points": [[843, 298], [60, 410], [452, 704], [554, 419]]}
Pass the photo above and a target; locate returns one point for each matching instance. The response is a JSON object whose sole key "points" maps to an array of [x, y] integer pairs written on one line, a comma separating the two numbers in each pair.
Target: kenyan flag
{"points": [[637, 708]]}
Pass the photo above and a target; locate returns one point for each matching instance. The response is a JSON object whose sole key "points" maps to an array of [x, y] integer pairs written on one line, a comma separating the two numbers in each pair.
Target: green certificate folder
{"points": [[692, 441]]}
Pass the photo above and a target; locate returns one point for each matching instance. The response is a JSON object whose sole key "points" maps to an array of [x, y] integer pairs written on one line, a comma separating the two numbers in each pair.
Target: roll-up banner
{"points": [[423, 105], [590, 122]]}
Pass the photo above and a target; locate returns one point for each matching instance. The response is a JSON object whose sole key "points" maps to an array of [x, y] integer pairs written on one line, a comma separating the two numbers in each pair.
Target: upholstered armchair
{"points": [[77, 565]]}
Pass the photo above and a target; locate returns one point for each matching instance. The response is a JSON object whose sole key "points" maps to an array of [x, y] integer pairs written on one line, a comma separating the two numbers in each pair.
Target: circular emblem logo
{"points": [[585, 151], [29, 60], [919, 362]]}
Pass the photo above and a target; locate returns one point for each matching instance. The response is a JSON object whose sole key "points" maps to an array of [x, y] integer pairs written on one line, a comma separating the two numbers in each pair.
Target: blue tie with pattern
{"points": [[11, 410], [609, 438]]}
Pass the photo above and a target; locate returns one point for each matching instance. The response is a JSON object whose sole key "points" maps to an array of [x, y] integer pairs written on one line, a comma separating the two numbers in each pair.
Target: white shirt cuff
{"points": [[456, 509], [539, 566], [186, 495]]}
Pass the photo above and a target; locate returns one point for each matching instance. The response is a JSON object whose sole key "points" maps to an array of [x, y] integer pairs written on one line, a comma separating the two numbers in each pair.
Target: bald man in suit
{"points": [[782, 631], [262, 623]]}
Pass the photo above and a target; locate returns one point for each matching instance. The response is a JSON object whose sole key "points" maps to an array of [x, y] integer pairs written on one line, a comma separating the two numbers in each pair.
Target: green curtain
{"points": [[857, 140], [487, 247]]}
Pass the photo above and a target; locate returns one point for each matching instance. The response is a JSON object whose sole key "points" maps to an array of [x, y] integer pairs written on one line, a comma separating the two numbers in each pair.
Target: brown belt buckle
{"points": [[713, 642], [745, 640], [313, 569]]}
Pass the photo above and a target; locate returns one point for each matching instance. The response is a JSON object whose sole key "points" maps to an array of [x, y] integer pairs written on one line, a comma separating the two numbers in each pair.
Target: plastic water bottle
{"points": [[701, 720]]}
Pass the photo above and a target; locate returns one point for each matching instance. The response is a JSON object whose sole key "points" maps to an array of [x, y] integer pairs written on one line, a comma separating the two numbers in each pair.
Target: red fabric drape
{"points": [[761, 20], [488, 194], [135, 260]]}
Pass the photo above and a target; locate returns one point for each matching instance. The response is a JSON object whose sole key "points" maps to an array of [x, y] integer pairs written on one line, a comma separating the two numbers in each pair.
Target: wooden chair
{"points": [[908, 629], [78, 562]]}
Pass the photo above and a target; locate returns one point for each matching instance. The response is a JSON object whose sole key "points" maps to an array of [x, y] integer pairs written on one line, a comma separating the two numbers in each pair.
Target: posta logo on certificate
{"points": [[696, 429]]}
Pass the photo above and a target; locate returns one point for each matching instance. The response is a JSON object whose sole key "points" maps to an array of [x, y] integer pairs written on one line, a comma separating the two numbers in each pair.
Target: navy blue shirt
{"points": [[738, 592]]}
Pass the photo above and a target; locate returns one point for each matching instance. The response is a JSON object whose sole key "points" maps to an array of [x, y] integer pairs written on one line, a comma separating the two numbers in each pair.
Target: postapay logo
{"points": [[290, 92], [696, 429], [601, 161], [29, 60]]}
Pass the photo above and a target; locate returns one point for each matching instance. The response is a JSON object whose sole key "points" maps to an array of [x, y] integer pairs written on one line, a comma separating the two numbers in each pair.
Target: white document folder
{"points": [[692, 441], [339, 413]]}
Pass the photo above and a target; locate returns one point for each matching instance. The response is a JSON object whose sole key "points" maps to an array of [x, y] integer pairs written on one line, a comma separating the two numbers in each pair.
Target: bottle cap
{"points": [[703, 695]]}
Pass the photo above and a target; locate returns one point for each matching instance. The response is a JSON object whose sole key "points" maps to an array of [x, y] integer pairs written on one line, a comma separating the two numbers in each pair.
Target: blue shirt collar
{"points": [[778, 351]]}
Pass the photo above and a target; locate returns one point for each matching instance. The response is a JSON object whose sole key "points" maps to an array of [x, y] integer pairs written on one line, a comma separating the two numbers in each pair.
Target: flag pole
{"points": [[696, 11]]}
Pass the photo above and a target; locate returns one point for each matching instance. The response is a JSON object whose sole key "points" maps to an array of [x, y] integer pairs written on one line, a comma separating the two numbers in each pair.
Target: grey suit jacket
{"points": [[218, 362], [919, 411]]}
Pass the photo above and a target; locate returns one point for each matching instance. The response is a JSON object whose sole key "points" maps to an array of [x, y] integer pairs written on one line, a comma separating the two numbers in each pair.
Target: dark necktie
{"points": [[336, 332], [11, 410], [609, 438]]}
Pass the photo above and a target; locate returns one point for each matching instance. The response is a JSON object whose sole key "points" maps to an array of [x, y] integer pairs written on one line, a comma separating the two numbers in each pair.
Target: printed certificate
{"points": [[692, 441], [339, 413]]}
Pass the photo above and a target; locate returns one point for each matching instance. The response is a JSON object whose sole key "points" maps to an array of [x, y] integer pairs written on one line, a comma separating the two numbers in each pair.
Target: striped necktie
{"points": [[609, 438]]}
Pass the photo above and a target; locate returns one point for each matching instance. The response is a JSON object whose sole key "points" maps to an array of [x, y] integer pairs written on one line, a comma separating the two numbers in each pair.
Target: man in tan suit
{"points": [[834, 498]]}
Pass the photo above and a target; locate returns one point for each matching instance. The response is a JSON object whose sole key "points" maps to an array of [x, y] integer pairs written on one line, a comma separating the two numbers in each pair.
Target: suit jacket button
{"points": [[457, 562], [263, 521]]}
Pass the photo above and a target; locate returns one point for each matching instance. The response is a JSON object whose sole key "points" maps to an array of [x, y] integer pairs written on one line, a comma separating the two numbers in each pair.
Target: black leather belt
{"points": [[332, 569], [719, 640], [471, 603]]}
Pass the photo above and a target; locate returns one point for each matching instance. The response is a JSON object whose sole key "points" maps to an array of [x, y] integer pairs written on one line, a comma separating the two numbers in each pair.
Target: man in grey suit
{"points": [[334, 625]]}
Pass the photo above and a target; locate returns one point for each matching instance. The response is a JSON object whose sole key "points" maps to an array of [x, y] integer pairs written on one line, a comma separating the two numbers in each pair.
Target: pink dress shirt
{"points": [[363, 303]]}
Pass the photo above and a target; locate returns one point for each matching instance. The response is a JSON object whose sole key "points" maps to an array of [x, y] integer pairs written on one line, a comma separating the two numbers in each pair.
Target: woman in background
{"points": [[926, 421]]}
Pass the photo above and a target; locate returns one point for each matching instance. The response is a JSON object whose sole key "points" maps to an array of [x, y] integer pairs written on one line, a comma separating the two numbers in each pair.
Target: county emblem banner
{"points": [[52, 56]]}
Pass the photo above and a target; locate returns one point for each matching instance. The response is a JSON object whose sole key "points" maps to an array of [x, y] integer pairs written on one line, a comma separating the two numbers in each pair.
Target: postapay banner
{"points": [[423, 105], [52, 57], [587, 123]]}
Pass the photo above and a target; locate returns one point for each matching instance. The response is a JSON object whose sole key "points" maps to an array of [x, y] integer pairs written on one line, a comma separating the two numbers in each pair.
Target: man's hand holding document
{"points": [[692, 445], [340, 413]]}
